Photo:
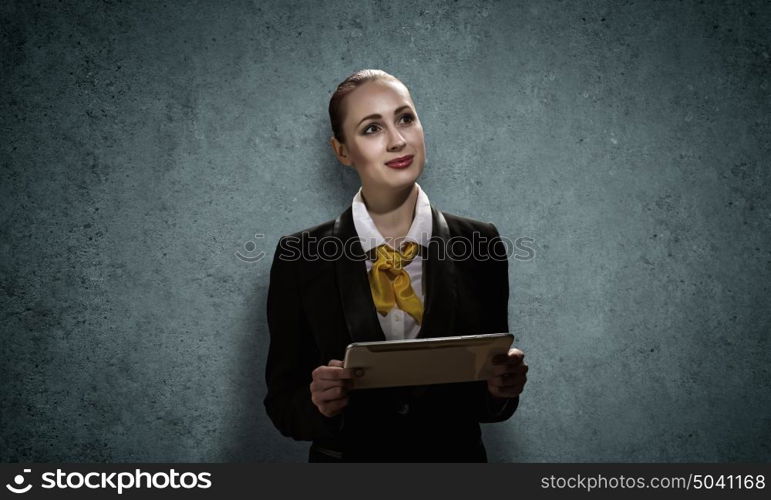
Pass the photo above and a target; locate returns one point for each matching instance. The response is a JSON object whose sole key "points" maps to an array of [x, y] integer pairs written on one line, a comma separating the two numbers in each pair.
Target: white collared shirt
{"points": [[397, 324]]}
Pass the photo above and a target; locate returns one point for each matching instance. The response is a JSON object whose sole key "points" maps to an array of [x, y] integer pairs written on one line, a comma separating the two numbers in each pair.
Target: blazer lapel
{"points": [[356, 297], [441, 291], [353, 284]]}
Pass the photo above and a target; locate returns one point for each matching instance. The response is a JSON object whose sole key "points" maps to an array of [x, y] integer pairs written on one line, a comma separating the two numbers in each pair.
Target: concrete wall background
{"points": [[144, 144]]}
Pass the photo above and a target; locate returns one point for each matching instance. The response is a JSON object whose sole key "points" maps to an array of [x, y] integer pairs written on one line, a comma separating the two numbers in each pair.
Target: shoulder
{"points": [[299, 244], [484, 240], [306, 254], [318, 231], [465, 226]]}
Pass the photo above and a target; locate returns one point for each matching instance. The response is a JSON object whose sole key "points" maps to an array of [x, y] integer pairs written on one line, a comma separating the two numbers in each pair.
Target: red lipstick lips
{"points": [[403, 162]]}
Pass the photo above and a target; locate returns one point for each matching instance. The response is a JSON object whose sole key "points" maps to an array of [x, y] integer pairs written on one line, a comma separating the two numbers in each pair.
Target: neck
{"points": [[392, 211]]}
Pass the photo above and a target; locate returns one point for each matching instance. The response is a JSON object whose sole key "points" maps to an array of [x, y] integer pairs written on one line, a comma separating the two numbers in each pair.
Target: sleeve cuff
{"points": [[334, 424], [499, 409], [496, 406]]}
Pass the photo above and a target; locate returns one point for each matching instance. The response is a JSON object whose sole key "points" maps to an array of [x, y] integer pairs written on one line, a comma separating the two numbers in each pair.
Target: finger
{"points": [[501, 369], [333, 393], [514, 378], [346, 373], [506, 392], [496, 391], [508, 388], [510, 368], [321, 398], [499, 359], [321, 385], [332, 408], [516, 361], [516, 383], [495, 382], [516, 354], [512, 355], [508, 380], [332, 373], [331, 370]]}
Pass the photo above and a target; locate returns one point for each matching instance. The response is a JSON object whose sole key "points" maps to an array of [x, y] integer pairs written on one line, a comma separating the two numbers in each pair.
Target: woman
{"points": [[383, 271]]}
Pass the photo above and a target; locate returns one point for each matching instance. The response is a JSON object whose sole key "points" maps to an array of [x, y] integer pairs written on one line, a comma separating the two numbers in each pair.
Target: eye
{"points": [[408, 116]]}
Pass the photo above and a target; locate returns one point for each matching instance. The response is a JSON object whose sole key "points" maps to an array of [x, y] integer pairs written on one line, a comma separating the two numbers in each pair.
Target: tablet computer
{"points": [[437, 360]]}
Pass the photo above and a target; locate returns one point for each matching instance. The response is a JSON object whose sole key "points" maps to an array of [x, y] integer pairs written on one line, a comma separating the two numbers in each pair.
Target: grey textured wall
{"points": [[144, 144]]}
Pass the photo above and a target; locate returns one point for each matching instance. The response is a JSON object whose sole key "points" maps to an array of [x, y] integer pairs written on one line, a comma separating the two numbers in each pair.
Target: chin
{"points": [[404, 177]]}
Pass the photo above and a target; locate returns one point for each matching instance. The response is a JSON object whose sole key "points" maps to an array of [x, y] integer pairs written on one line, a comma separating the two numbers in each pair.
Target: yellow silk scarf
{"points": [[390, 283]]}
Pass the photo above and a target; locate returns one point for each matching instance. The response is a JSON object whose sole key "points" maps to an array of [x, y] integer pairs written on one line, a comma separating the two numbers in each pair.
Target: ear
{"points": [[341, 152]]}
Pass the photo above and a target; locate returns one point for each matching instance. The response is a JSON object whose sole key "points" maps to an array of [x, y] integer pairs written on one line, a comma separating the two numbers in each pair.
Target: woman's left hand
{"points": [[509, 375]]}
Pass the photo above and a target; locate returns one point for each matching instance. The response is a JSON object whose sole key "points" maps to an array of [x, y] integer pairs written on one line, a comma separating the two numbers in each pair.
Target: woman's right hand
{"points": [[329, 388]]}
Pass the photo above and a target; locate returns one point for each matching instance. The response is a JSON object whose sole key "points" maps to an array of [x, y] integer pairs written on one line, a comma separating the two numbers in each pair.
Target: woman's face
{"points": [[381, 125]]}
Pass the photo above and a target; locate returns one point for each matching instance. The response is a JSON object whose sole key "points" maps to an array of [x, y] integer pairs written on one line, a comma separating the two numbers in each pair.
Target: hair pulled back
{"points": [[352, 82]]}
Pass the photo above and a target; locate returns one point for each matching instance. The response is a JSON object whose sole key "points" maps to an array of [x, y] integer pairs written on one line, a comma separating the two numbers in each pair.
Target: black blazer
{"points": [[317, 306]]}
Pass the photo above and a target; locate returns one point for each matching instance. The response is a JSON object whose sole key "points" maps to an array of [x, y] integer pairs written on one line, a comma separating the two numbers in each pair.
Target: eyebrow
{"points": [[381, 116]]}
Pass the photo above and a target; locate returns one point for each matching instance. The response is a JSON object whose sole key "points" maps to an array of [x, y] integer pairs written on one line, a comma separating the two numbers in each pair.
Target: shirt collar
{"points": [[370, 237]]}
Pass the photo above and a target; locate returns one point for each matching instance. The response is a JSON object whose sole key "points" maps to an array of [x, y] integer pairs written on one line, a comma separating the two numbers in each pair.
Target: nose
{"points": [[395, 140]]}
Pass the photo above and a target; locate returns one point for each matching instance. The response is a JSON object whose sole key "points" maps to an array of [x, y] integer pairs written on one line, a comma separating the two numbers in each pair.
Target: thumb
{"points": [[345, 372], [516, 355]]}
